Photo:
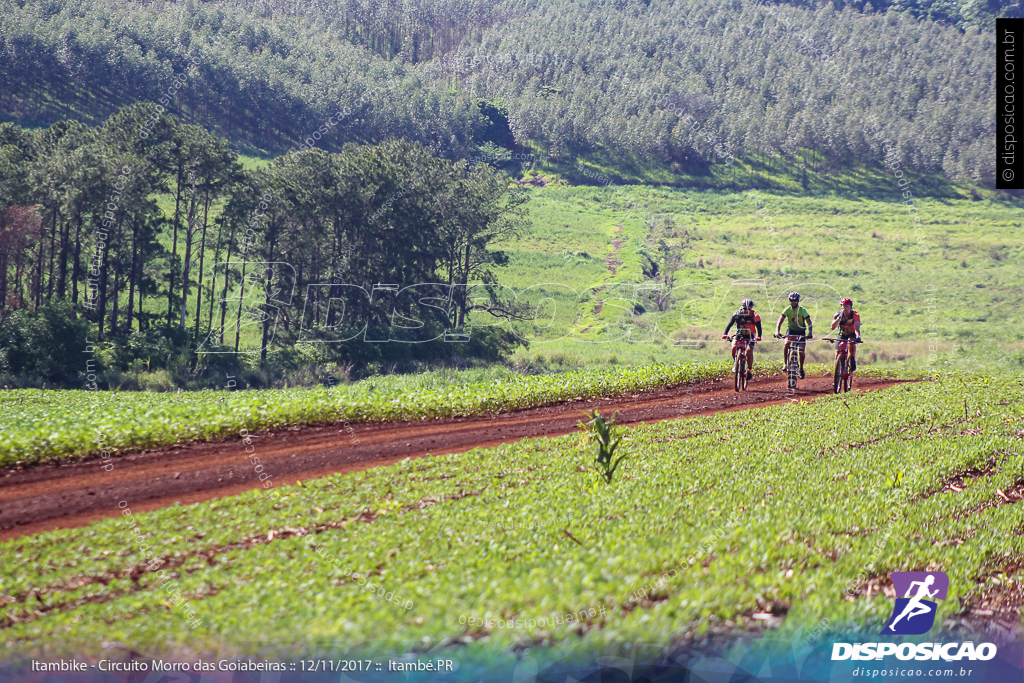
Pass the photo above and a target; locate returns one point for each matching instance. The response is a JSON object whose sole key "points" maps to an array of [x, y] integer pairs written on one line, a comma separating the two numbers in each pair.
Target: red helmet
{"points": [[846, 301]]}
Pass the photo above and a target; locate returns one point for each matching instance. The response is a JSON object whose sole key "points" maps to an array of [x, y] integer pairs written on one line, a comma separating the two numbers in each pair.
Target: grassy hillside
{"points": [[962, 265]]}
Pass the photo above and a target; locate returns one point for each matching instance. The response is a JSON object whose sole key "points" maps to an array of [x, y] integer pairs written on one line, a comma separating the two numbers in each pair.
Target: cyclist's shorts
{"points": [[750, 341]]}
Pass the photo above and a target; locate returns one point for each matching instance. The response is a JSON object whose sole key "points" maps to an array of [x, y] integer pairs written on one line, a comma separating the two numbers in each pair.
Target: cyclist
{"points": [[848, 322], [799, 325], [748, 323]]}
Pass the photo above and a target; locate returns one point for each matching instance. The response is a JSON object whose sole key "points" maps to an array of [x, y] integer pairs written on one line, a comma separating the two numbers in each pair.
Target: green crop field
{"points": [[58, 426], [791, 511]]}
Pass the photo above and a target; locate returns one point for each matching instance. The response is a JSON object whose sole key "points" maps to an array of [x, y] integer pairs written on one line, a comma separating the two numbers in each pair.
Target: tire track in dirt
{"points": [[611, 262], [50, 497]]}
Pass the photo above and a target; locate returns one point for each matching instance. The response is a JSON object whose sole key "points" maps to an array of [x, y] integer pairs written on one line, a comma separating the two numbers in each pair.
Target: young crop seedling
{"points": [[606, 436], [896, 479]]}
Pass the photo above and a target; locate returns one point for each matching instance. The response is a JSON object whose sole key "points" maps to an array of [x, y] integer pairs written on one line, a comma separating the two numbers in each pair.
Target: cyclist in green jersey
{"points": [[799, 325]]}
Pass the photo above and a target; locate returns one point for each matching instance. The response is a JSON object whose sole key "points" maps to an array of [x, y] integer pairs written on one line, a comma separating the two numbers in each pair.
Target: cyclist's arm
{"points": [[757, 323], [856, 325], [835, 321], [729, 326], [810, 327], [778, 325]]}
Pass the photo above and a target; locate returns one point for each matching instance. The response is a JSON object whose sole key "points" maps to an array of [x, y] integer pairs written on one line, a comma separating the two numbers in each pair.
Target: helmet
{"points": [[748, 304], [846, 301], [794, 296]]}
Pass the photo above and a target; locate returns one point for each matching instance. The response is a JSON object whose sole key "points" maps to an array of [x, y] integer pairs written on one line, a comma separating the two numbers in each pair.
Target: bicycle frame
{"points": [[842, 345], [742, 343], [842, 382], [798, 339], [795, 344], [744, 346]]}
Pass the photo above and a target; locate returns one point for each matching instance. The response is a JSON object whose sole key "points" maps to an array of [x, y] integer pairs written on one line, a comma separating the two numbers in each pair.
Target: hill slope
{"points": [[685, 81]]}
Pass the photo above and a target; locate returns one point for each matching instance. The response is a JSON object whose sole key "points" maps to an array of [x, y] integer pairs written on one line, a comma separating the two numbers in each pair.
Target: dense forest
{"points": [[150, 229], [684, 81]]}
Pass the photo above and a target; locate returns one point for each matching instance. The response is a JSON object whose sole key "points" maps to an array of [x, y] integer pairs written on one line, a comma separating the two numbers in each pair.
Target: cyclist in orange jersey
{"points": [[848, 322]]}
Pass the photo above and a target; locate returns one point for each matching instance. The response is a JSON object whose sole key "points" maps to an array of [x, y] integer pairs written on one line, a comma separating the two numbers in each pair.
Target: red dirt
{"points": [[612, 261], [50, 497]]}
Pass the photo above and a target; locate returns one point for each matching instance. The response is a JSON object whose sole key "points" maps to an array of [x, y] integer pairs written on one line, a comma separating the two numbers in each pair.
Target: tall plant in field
{"points": [[607, 438]]}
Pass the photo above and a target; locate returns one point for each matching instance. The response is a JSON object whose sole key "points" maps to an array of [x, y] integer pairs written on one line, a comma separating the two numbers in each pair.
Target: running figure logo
{"points": [[914, 613]]}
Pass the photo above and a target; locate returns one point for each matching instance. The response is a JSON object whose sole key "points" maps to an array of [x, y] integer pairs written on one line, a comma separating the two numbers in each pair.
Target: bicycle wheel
{"points": [[741, 372], [837, 379], [794, 367], [847, 377]]}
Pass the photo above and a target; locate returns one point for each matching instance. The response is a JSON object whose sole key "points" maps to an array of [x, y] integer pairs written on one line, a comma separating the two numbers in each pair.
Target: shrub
{"points": [[49, 342]]}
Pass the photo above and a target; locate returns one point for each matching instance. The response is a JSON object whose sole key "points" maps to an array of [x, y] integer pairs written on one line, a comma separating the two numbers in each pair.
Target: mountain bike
{"points": [[739, 365], [842, 379], [796, 342]]}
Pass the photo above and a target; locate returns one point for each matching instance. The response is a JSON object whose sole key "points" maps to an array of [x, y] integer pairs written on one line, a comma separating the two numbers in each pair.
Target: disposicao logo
{"points": [[914, 614]]}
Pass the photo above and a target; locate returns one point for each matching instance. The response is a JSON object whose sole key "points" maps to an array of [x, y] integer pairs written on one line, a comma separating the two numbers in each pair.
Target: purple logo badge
{"points": [[916, 593]]}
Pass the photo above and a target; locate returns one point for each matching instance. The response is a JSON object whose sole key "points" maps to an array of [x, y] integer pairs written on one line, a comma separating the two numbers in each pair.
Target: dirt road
{"points": [[49, 497]]}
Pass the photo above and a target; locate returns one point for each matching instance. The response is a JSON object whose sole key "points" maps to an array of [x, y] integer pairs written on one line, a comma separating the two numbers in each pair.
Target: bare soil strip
{"points": [[49, 497]]}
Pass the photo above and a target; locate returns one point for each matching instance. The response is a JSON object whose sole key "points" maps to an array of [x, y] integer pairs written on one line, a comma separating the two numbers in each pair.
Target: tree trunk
{"points": [[19, 291], [213, 278], [3, 283], [224, 291], [117, 297], [131, 277], [38, 293], [184, 276], [63, 282], [103, 290], [465, 282], [186, 265], [53, 249], [174, 247], [266, 303], [141, 270], [76, 269], [241, 297], [199, 280]]}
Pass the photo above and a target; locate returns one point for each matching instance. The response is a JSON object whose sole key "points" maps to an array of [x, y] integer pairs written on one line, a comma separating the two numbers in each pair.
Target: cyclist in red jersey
{"points": [[848, 322], [748, 326]]}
